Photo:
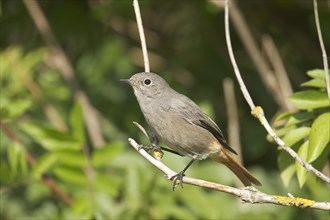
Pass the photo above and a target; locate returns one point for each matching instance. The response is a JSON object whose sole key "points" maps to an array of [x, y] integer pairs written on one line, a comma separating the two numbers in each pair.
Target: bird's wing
{"points": [[190, 112]]}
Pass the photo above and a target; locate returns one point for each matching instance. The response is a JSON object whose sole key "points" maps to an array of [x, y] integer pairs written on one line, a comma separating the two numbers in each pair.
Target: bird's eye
{"points": [[147, 81]]}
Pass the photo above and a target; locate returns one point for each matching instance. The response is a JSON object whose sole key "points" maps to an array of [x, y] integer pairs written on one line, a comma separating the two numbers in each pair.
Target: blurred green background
{"points": [[187, 47]]}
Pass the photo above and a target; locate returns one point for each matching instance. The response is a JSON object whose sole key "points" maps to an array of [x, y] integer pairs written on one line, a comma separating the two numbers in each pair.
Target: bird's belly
{"points": [[188, 139]]}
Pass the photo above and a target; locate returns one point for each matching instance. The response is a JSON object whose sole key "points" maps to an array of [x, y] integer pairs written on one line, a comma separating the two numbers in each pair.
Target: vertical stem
{"points": [[142, 37]]}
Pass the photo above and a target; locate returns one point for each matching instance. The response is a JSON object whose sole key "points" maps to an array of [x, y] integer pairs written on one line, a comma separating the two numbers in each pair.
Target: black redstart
{"points": [[182, 125]]}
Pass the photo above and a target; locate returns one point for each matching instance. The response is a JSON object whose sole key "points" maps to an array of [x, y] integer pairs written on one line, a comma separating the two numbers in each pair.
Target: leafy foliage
{"points": [[307, 130]]}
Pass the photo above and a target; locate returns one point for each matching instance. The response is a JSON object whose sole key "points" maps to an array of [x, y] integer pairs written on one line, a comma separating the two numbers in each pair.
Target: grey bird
{"points": [[182, 125]]}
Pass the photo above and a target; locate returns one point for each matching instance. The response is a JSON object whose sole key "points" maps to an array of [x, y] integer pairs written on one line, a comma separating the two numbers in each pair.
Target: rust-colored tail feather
{"points": [[241, 172]]}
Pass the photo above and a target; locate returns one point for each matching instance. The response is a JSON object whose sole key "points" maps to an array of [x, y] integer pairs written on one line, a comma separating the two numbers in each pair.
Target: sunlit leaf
{"points": [[106, 183], [284, 115], [319, 136], [5, 174], [13, 157], [295, 135], [82, 208], [71, 175], [103, 155], [301, 171], [50, 138], [286, 166], [309, 99], [71, 158], [77, 122], [317, 83], [13, 109], [316, 74], [298, 118], [283, 131], [23, 164], [43, 164]]}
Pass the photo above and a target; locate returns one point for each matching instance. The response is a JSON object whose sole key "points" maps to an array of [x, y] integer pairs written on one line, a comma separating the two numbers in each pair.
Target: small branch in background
{"points": [[89, 172], [279, 69], [36, 92], [264, 70], [232, 115], [258, 111], [324, 53], [233, 123], [142, 37], [47, 180], [64, 66], [246, 194]]}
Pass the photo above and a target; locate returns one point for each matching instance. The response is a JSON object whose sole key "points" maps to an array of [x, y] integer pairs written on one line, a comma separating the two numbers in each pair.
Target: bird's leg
{"points": [[156, 147], [177, 178]]}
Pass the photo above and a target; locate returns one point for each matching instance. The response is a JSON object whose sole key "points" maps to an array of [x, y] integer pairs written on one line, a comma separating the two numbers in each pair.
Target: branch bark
{"points": [[324, 53], [246, 194], [142, 37]]}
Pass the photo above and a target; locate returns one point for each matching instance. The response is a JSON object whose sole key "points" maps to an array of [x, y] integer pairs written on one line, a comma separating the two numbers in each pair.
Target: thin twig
{"points": [[245, 92], [47, 180], [233, 123], [264, 70], [37, 93], [258, 111], [142, 37], [232, 115], [279, 70], [62, 63], [247, 194], [324, 53]]}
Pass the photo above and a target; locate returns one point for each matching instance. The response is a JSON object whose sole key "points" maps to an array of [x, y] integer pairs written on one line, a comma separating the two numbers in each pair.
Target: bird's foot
{"points": [[156, 149], [177, 180]]}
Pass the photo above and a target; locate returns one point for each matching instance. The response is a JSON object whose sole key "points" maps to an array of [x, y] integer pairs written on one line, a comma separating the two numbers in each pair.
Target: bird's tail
{"points": [[223, 156]]}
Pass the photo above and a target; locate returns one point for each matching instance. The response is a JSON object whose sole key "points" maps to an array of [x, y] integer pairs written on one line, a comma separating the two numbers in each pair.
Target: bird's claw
{"points": [[177, 180], [155, 148]]}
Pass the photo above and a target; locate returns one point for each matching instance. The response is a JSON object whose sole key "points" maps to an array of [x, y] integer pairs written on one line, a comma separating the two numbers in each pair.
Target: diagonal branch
{"points": [[46, 180], [258, 111], [247, 194], [62, 63]]}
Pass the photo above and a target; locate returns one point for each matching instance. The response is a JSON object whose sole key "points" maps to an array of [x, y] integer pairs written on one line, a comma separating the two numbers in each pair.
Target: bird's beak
{"points": [[125, 81]]}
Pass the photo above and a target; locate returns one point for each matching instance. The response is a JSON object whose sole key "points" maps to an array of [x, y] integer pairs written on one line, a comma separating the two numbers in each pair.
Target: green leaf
{"points": [[299, 117], [82, 208], [103, 155], [71, 175], [77, 122], [286, 166], [50, 138], [284, 115], [282, 131], [316, 74], [72, 158], [5, 174], [301, 171], [309, 99], [23, 164], [13, 109], [317, 83], [107, 184], [43, 164], [13, 157], [319, 136], [295, 135]]}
